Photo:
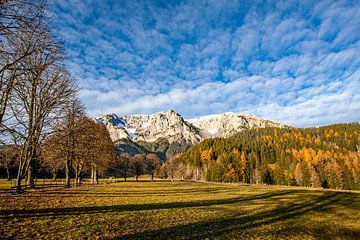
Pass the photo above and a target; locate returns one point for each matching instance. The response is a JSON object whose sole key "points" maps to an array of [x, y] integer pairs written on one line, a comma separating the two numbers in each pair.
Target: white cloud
{"points": [[295, 63]]}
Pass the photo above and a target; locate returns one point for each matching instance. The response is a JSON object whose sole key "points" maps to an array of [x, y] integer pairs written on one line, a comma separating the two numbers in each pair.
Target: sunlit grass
{"points": [[8, 184], [180, 210]]}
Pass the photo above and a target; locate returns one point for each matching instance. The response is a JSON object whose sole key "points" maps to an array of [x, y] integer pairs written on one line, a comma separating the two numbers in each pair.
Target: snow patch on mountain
{"points": [[171, 126]]}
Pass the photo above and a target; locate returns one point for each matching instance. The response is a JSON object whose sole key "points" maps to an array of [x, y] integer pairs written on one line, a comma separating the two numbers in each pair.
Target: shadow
{"points": [[138, 191], [234, 227], [143, 193], [54, 212]]}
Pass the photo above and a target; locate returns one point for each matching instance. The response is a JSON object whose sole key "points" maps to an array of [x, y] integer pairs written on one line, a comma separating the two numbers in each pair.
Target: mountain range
{"points": [[168, 133]]}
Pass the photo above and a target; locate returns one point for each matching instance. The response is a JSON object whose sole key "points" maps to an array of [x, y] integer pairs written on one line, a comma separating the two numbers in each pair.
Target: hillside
{"points": [[326, 157]]}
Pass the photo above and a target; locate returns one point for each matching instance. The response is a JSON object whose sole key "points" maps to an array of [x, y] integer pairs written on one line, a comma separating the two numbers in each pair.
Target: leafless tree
{"points": [[171, 168], [70, 131], [153, 163], [34, 84], [39, 98], [19, 31], [102, 153], [94, 152], [8, 156], [52, 154], [123, 161], [138, 165]]}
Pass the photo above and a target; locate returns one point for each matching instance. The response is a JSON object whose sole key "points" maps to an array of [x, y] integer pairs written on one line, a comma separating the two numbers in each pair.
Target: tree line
{"points": [[41, 117], [43, 125], [327, 157]]}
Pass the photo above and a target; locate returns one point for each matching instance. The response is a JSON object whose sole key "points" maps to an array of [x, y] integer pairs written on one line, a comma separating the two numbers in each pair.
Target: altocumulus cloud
{"points": [[297, 62]]}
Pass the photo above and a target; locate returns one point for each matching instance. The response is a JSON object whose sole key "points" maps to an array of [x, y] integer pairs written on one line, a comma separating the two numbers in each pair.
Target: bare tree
{"points": [[72, 130], [82, 150], [8, 155], [19, 31], [52, 154], [94, 152], [102, 152], [153, 162], [171, 168], [123, 161], [138, 165], [62, 145], [34, 84], [38, 101]]}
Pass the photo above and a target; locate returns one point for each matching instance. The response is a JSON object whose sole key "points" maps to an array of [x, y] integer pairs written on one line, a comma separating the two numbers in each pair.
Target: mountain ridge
{"points": [[169, 128]]}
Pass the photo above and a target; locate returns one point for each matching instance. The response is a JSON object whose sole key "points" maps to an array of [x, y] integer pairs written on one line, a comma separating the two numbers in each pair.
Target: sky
{"points": [[295, 62]]}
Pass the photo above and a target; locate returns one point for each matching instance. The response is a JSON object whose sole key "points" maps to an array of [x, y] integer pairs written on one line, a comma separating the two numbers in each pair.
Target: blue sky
{"points": [[296, 62]]}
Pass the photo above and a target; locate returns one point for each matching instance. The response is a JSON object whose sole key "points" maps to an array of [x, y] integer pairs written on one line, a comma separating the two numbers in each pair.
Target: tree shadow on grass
{"points": [[54, 212], [128, 193], [140, 192], [242, 226]]}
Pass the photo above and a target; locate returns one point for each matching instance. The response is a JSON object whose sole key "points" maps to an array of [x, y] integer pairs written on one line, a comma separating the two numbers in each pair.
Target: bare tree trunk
{"points": [[30, 178], [152, 176], [125, 175], [96, 179], [18, 183], [54, 175], [7, 173], [92, 174], [20, 171], [67, 174], [78, 174], [78, 180], [136, 176]]}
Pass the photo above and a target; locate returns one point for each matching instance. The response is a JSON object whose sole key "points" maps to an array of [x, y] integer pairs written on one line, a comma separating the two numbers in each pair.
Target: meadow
{"points": [[180, 210]]}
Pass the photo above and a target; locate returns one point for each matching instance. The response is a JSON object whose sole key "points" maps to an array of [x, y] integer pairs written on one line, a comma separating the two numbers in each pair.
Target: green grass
{"points": [[180, 210]]}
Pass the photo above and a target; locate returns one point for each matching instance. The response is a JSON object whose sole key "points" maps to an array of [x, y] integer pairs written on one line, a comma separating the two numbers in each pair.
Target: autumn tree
{"points": [[153, 163], [299, 174], [61, 147], [245, 171], [123, 161], [138, 165], [52, 154], [171, 168], [103, 153], [325, 156], [95, 150], [206, 156], [69, 133]]}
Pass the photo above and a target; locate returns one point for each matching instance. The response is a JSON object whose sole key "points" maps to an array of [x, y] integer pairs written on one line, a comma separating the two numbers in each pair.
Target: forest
{"points": [[327, 157]]}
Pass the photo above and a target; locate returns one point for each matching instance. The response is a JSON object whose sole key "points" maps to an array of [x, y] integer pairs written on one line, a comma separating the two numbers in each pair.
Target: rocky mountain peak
{"points": [[172, 126], [111, 119], [149, 128], [229, 123], [168, 133]]}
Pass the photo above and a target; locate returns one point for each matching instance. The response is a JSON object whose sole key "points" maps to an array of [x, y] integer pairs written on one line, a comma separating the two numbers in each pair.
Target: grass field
{"points": [[180, 210]]}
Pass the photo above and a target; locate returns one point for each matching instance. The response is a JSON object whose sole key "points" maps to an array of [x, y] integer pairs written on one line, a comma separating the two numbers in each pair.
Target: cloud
{"points": [[292, 61]]}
